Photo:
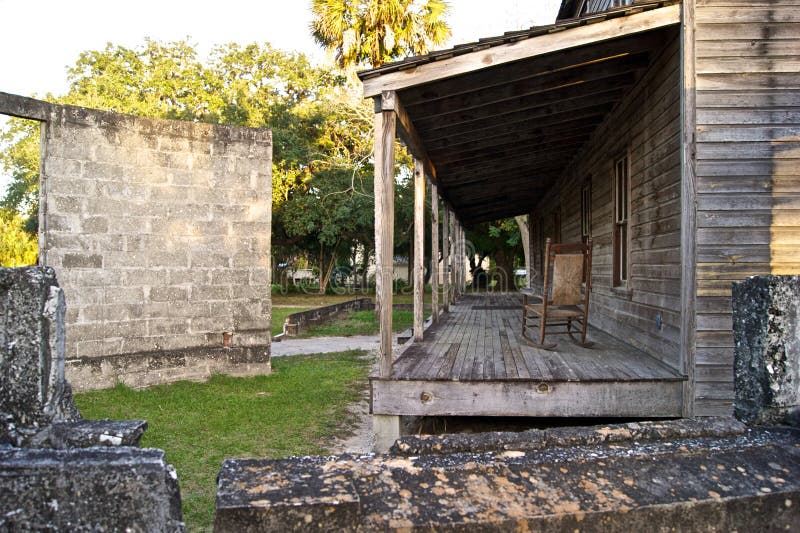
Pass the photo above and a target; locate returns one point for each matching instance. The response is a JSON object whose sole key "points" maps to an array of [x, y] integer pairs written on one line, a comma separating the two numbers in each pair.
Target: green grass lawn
{"points": [[289, 412], [359, 323]]}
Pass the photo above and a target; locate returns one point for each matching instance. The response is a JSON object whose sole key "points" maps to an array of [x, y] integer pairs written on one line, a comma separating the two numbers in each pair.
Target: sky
{"points": [[40, 38]]}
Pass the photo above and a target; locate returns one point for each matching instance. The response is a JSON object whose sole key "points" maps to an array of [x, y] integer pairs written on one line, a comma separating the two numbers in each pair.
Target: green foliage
{"points": [[200, 424], [502, 242], [322, 128], [373, 32], [17, 246], [19, 160]]}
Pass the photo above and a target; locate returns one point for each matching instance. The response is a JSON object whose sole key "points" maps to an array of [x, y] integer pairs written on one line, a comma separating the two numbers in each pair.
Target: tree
{"points": [[372, 32], [17, 246], [313, 115], [499, 240], [20, 161]]}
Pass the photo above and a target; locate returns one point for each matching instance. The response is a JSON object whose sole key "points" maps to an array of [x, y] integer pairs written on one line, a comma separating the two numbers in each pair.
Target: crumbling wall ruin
{"points": [[159, 232]]}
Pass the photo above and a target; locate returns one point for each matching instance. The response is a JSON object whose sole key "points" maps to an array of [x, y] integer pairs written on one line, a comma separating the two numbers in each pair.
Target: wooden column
{"points": [[688, 330], [434, 253], [446, 258], [385, 129], [459, 260], [419, 248]]}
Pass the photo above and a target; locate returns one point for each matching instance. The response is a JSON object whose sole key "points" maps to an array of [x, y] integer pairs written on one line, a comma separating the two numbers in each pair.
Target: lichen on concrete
{"points": [[745, 480], [766, 329]]}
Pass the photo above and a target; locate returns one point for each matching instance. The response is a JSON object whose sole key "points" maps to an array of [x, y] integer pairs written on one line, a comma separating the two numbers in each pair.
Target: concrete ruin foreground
{"points": [[710, 475], [58, 471]]}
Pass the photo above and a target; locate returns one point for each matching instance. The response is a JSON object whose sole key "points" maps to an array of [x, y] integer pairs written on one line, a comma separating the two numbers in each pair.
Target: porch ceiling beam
{"points": [[517, 139], [469, 123], [509, 154], [545, 83], [521, 175], [515, 51], [493, 166], [496, 134], [534, 67], [406, 130]]}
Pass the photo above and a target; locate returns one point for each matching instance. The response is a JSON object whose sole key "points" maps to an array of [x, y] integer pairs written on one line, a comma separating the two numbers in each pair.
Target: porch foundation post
{"points": [[434, 253], [386, 428], [419, 248], [446, 258]]}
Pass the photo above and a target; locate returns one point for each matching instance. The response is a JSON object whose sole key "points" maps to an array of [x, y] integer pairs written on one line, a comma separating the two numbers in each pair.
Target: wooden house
{"points": [[666, 131]]}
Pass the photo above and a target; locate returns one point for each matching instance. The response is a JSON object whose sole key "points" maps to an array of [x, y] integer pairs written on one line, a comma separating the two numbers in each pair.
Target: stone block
{"points": [[766, 329], [72, 260], [93, 489], [169, 294], [33, 391]]}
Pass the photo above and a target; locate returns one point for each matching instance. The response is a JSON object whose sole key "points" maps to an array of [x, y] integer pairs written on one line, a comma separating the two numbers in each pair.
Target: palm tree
{"points": [[372, 32]]}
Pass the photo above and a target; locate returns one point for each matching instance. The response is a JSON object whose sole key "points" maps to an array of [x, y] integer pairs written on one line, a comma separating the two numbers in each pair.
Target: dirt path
{"points": [[293, 346]]}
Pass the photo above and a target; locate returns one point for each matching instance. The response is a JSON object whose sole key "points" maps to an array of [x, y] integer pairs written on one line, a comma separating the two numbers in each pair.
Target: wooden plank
{"points": [[753, 14], [749, 65], [748, 81], [757, 100], [746, 133], [540, 45], [435, 252], [419, 248], [652, 398], [732, 31], [385, 133], [748, 48]]}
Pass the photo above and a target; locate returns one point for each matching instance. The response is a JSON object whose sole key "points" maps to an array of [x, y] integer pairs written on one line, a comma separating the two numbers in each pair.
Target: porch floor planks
{"points": [[480, 340]]}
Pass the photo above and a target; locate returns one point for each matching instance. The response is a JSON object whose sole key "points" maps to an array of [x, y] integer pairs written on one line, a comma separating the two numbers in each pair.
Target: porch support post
{"points": [[419, 247], [453, 258], [688, 345], [385, 427], [385, 131], [459, 259], [434, 253], [446, 257]]}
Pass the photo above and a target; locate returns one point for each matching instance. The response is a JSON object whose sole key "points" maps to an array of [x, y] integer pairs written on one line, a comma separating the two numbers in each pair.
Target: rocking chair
{"points": [[562, 304]]}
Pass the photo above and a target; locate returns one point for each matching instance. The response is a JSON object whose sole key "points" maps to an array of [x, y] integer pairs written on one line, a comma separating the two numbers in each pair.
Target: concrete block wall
{"points": [[159, 232]]}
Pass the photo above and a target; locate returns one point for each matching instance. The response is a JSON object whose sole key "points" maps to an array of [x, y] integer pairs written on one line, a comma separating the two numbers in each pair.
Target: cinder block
{"points": [[72, 260], [169, 294]]}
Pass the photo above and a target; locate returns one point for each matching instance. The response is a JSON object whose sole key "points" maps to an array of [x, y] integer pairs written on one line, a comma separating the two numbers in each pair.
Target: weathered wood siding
{"points": [[748, 168], [647, 124]]}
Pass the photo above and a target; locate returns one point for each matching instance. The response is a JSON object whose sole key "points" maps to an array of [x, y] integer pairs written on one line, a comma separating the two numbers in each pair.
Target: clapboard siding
{"points": [[748, 168], [647, 123]]}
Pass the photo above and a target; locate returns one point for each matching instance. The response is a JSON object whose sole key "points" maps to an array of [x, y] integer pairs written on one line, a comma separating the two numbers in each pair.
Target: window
{"points": [[621, 208], [586, 210]]}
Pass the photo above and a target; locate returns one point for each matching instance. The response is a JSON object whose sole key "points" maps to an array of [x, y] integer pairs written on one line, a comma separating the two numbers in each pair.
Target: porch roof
{"points": [[497, 121]]}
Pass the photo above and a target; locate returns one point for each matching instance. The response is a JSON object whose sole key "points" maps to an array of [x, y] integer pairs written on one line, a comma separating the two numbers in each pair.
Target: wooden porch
{"points": [[474, 362]]}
